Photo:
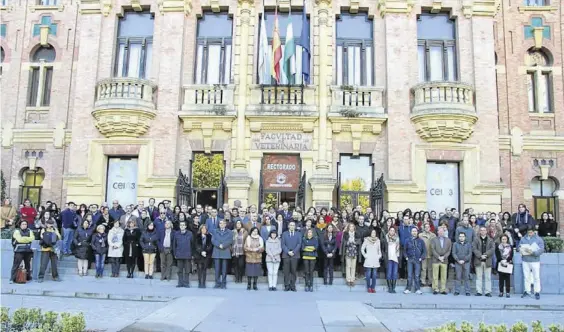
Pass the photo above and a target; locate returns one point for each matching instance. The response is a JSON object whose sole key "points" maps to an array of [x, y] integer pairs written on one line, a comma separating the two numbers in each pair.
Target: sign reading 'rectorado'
{"points": [[282, 141], [280, 172]]}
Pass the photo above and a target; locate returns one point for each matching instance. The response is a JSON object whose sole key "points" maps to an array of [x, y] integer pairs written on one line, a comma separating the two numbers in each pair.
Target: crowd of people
{"points": [[419, 246]]}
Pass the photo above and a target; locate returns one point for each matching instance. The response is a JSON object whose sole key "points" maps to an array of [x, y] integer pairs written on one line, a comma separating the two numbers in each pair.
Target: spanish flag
{"points": [[276, 50]]}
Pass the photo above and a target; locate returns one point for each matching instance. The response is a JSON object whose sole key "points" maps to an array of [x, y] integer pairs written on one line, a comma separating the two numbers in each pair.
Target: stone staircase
{"points": [[67, 268]]}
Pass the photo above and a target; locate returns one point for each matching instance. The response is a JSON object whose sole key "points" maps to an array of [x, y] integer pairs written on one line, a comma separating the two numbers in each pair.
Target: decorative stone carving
{"points": [[95, 7], [444, 111], [175, 6], [59, 135], [480, 8], [136, 5], [214, 4], [124, 107], [395, 6], [516, 141], [357, 127], [354, 5], [437, 6], [7, 134]]}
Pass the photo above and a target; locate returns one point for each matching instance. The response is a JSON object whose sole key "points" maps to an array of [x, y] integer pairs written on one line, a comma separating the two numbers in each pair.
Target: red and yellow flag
{"points": [[276, 50]]}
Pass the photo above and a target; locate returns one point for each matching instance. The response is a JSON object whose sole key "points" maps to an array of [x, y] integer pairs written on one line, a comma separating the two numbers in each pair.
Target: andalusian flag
{"points": [[290, 52], [276, 50], [264, 66]]}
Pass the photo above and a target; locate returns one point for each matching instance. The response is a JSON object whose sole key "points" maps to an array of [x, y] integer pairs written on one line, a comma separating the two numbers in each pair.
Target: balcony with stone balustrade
{"points": [[443, 111], [124, 106]]}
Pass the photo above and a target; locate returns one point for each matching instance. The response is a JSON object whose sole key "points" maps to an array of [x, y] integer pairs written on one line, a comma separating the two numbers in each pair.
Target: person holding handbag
{"points": [[504, 254], [21, 240]]}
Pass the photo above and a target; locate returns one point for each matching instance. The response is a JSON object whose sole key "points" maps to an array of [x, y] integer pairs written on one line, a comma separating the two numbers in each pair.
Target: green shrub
{"points": [[536, 326], [553, 244], [33, 320], [6, 234]]}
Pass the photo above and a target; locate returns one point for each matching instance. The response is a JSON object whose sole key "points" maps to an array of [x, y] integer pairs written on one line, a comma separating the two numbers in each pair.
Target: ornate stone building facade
{"points": [[456, 103]]}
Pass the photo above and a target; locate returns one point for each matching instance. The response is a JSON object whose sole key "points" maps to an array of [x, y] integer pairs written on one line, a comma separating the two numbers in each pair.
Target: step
{"points": [[262, 285]]}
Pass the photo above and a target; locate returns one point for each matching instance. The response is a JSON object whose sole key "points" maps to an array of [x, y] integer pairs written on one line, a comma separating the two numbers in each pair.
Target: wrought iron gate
{"points": [[377, 196], [301, 193], [183, 190], [220, 191]]}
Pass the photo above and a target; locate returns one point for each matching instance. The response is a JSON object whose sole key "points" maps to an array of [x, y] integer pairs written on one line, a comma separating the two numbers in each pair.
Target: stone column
{"points": [[238, 180], [322, 183], [324, 79]]}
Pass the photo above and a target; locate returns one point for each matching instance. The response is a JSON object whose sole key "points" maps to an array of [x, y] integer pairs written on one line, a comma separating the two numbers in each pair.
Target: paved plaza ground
{"points": [[159, 306]]}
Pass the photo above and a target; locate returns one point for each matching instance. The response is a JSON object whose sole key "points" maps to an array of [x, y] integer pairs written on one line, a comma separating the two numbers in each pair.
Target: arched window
{"points": [[32, 184], [41, 77], [543, 195], [539, 81]]}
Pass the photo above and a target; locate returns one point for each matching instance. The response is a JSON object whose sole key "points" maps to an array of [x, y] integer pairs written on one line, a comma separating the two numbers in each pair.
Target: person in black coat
{"points": [[547, 226], [81, 242], [504, 255], [202, 252], [329, 248], [99, 245], [131, 248], [149, 243]]}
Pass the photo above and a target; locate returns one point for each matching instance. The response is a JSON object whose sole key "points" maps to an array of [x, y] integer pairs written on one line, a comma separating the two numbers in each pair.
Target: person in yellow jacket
{"points": [[48, 242], [21, 239]]}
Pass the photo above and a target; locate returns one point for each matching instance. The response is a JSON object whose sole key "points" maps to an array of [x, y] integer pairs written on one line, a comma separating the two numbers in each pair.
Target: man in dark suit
{"points": [[291, 246], [212, 223]]}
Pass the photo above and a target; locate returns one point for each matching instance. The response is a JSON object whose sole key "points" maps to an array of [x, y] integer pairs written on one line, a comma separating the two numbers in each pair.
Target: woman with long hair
{"points": [[202, 253], [372, 253], [81, 243], [328, 251], [504, 254], [238, 252], [349, 252], [391, 258], [131, 247], [547, 226]]}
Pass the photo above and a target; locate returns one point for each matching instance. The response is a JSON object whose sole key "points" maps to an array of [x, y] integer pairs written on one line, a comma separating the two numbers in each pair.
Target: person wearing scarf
{"points": [[521, 221], [504, 254], [254, 246]]}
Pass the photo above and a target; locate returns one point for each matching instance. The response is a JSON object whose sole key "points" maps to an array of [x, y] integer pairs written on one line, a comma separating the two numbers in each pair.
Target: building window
{"points": [[354, 56], [355, 180], [539, 82], [283, 19], [46, 2], [41, 77], [543, 196], [436, 47], [134, 45], [536, 3], [32, 185], [213, 59]]}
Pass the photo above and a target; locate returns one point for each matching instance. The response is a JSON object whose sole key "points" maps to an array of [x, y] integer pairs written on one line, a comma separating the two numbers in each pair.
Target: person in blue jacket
{"points": [[182, 248], [222, 239], [414, 252]]}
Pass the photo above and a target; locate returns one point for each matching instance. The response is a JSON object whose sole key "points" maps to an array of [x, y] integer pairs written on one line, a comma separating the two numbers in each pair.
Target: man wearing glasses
{"points": [[116, 211]]}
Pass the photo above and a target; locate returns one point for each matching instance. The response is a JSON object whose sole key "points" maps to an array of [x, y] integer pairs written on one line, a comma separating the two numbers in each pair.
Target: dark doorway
{"points": [[206, 197]]}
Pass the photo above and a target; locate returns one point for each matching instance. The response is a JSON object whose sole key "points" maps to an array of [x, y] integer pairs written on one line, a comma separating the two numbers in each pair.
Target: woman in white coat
{"points": [[372, 253], [115, 247]]}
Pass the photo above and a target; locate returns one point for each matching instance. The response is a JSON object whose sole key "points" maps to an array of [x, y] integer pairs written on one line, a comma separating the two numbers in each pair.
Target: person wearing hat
{"points": [[48, 242], [415, 253], [531, 248]]}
